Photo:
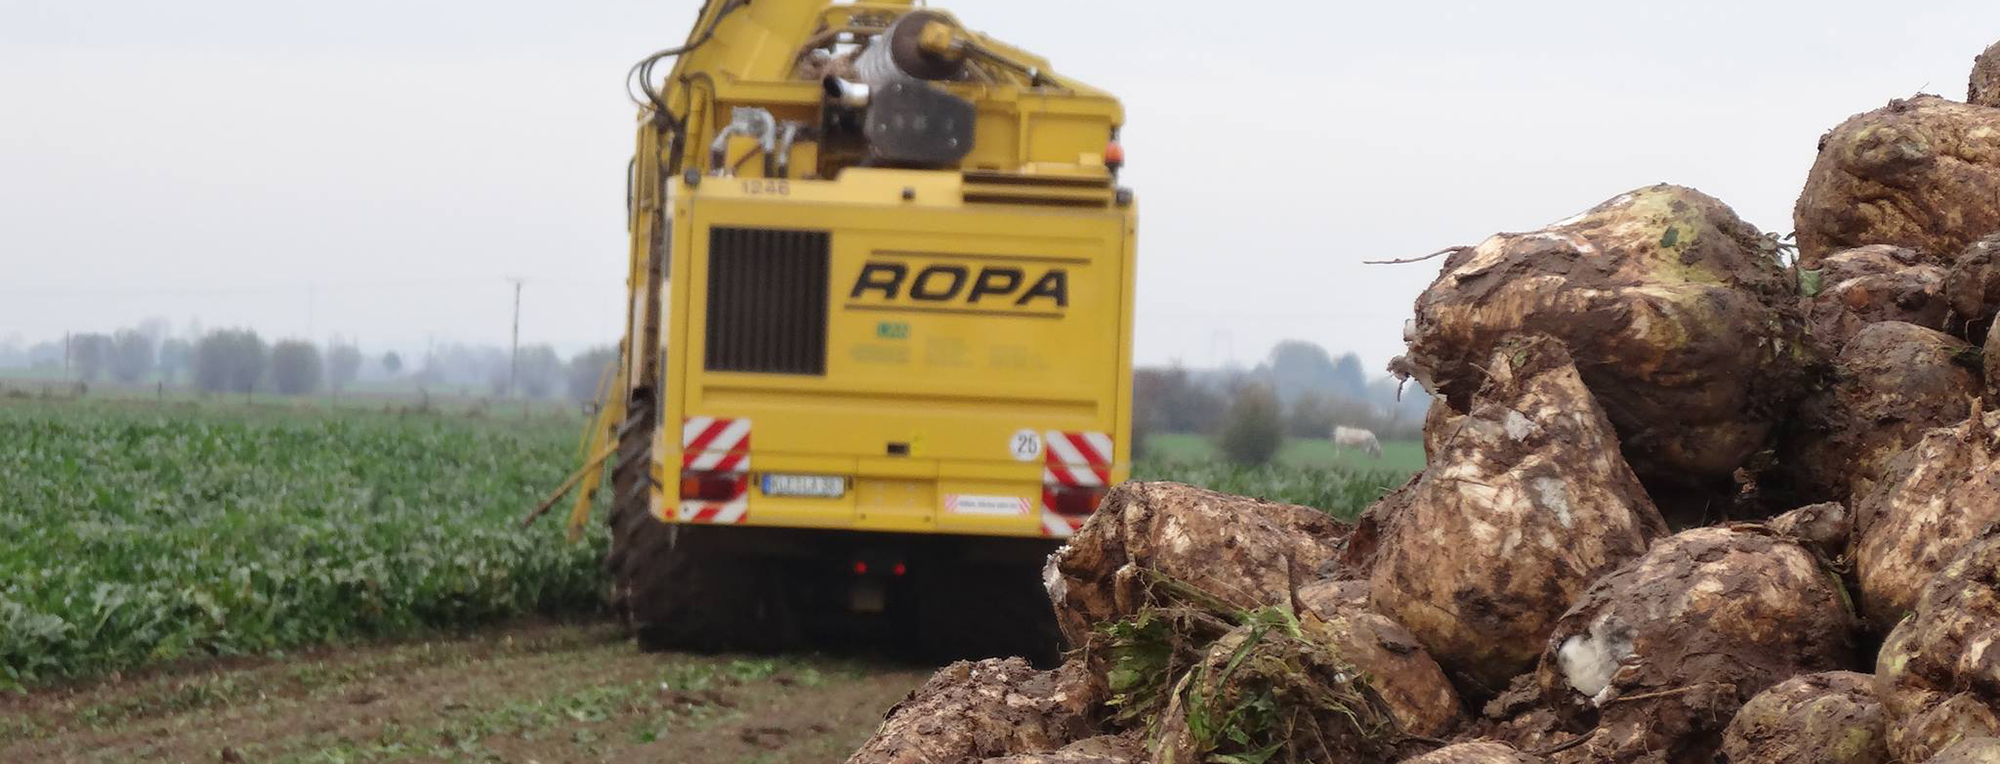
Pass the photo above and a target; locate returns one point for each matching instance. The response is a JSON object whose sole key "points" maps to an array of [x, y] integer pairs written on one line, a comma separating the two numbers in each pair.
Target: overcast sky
{"points": [[378, 169]]}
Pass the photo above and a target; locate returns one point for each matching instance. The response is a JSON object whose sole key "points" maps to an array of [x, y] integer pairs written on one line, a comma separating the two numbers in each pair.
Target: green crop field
{"points": [[1404, 456], [134, 533]]}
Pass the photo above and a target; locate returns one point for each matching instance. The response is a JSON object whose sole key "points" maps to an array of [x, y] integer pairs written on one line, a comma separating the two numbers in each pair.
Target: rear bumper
{"points": [[1044, 491], [960, 506], [879, 549]]}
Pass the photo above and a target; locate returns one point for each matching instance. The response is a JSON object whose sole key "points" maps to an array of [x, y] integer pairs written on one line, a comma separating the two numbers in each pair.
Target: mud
{"points": [[1681, 320], [1527, 505], [1922, 173], [550, 692], [1826, 718]]}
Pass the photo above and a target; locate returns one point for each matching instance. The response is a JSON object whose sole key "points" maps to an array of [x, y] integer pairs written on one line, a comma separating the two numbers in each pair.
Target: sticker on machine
{"points": [[971, 504], [1026, 445]]}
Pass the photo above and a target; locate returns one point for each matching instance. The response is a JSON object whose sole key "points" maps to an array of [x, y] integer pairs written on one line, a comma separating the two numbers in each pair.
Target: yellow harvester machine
{"points": [[878, 358]]}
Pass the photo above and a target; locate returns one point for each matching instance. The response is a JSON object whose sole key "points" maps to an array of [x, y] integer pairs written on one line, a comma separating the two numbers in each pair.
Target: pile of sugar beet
{"points": [[1691, 496]]}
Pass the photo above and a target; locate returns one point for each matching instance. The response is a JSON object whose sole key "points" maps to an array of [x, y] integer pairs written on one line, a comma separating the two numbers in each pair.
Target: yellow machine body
{"points": [[924, 337]]}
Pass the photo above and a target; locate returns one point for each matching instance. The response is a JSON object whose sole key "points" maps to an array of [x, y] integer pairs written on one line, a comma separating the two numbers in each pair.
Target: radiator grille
{"points": [[767, 301]]}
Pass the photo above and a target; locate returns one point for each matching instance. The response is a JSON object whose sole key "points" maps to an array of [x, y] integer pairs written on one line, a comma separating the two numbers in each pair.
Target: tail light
{"points": [[1074, 501], [713, 486]]}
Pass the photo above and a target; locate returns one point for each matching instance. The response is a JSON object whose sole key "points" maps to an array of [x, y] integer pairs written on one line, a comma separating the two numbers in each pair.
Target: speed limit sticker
{"points": [[1026, 445]]}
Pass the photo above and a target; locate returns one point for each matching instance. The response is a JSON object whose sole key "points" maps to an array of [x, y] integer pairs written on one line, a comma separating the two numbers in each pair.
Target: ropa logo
{"points": [[999, 289]]}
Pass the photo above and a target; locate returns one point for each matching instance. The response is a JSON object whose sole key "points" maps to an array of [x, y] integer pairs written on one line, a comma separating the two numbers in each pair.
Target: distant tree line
{"points": [[239, 361], [1299, 390]]}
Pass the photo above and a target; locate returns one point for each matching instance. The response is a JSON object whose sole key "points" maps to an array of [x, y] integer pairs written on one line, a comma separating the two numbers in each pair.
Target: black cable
{"points": [[644, 68]]}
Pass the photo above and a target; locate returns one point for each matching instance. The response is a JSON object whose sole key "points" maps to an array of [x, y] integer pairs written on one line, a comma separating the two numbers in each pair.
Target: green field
{"points": [[1305, 453], [133, 534], [137, 532]]}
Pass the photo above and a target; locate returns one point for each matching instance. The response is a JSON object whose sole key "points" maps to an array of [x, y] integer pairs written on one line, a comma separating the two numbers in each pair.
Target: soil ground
{"points": [[543, 693]]}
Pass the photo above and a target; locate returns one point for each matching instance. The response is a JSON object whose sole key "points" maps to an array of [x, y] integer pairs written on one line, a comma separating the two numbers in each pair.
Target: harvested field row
{"points": [[569, 693]]}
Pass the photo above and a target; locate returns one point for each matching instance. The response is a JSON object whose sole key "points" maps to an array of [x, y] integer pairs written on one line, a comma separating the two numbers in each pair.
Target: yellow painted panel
{"points": [[948, 373], [895, 505]]}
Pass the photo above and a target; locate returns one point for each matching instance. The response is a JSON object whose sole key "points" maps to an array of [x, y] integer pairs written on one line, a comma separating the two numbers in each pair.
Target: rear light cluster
{"points": [[1074, 501], [899, 569], [713, 486]]}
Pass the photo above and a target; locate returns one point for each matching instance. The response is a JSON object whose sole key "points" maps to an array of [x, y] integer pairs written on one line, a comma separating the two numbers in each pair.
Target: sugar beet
{"points": [[1527, 504], [1680, 318]]}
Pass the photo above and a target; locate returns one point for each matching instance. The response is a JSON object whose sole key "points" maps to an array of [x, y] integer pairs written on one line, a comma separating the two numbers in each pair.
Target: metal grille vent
{"points": [[767, 301]]}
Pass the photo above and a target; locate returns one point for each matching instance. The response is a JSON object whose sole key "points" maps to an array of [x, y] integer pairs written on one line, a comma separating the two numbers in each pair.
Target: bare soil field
{"points": [[529, 693]]}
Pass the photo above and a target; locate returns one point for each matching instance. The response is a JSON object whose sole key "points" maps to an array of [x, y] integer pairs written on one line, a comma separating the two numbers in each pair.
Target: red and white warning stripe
{"points": [[1056, 524], [723, 512], [1077, 458], [1071, 460], [715, 444]]}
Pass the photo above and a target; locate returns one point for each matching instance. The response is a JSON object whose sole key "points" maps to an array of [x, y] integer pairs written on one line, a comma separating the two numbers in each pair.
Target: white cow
{"points": [[1355, 437]]}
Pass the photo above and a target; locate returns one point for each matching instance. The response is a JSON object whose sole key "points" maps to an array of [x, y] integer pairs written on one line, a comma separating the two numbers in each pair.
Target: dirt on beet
{"points": [[550, 693]]}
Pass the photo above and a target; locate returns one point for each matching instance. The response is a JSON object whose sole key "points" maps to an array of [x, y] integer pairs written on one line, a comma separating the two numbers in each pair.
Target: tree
{"points": [[229, 361], [296, 368], [1349, 380], [175, 357], [586, 372], [1170, 400], [343, 366], [91, 353], [539, 370], [1254, 430], [1312, 416], [131, 355], [1297, 367], [392, 363]]}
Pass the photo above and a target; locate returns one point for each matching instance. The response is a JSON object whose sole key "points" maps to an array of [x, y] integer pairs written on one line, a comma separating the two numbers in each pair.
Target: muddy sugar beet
{"points": [[1684, 324], [1657, 657], [1247, 551], [1933, 499], [1868, 285], [1892, 383], [1826, 718], [1922, 173], [1282, 686], [1524, 506], [971, 711], [1935, 674]]}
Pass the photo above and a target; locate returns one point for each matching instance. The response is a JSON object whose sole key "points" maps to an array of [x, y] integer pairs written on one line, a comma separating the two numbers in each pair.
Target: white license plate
{"points": [[805, 485]]}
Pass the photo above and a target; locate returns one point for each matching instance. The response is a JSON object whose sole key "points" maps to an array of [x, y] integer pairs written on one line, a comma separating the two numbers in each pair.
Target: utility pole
{"points": [[514, 354]]}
